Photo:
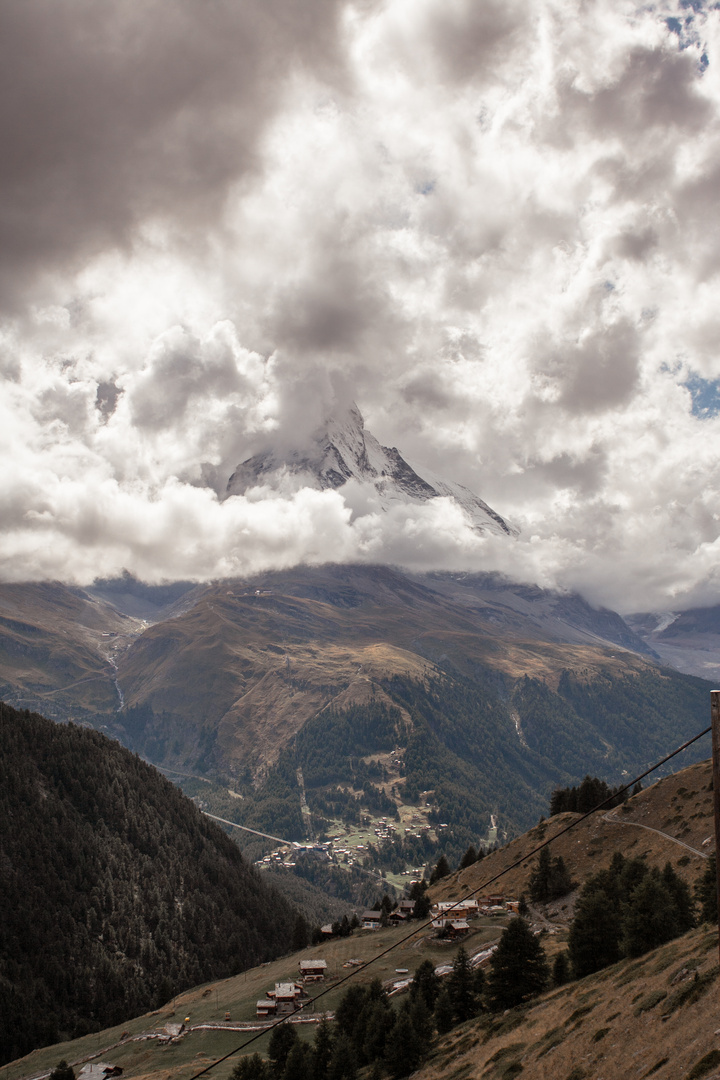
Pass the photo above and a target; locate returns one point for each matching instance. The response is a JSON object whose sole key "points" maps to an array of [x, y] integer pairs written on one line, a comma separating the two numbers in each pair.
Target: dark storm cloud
{"points": [[112, 112], [635, 244], [331, 310], [584, 475], [471, 40], [180, 372], [600, 371], [655, 89], [106, 398], [696, 208]]}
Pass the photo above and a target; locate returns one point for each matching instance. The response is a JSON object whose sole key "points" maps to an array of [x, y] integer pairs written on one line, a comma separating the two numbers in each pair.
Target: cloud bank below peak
{"points": [[491, 225]]}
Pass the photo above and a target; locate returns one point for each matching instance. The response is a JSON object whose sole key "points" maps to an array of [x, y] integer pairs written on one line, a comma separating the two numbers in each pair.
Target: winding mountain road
{"points": [[611, 817]]}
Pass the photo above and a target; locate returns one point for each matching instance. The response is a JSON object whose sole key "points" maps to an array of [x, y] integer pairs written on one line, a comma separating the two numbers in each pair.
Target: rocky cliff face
{"points": [[342, 450]]}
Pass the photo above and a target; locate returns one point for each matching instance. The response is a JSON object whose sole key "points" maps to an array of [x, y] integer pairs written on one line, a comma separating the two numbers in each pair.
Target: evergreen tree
{"points": [[343, 1062], [550, 879], [425, 984], [349, 1009], [322, 1050], [299, 1064], [561, 969], [461, 987], [301, 933], [403, 1051], [706, 892], [470, 857], [518, 967], [591, 792], [479, 984], [417, 889], [252, 1067], [422, 907], [282, 1039], [523, 908], [62, 1071], [421, 1020], [684, 905], [378, 1024], [594, 939], [443, 1012], [649, 917], [442, 869], [539, 881], [560, 880]]}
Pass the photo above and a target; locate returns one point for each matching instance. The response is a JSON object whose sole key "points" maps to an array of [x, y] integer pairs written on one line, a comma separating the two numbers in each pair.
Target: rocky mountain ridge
{"points": [[341, 451]]}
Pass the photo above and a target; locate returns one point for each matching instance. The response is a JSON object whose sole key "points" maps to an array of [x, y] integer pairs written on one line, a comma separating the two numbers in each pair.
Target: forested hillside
{"points": [[468, 748], [116, 891]]}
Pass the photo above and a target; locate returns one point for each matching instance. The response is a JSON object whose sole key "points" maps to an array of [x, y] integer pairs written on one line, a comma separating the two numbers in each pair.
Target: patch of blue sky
{"points": [[705, 394], [686, 31], [426, 188]]}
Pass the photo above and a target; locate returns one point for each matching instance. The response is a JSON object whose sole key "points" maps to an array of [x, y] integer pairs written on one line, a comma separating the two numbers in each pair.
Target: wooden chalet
{"points": [[266, 1007], [312, 970], [286, 995]]}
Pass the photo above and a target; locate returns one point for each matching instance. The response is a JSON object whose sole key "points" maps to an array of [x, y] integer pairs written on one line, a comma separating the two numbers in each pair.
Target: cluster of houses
{"points": [[449, 917], [373, 920], [384, 830], [452, 916], [286, 997]]}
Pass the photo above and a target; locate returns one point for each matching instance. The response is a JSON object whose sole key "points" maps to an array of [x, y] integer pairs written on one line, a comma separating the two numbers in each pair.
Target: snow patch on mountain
{"points": [[342, 451]]}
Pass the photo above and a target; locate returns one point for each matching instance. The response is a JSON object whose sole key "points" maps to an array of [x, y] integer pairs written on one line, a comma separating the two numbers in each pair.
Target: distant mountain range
{"points": [[507, 690], [342, 450], [686, 640]]}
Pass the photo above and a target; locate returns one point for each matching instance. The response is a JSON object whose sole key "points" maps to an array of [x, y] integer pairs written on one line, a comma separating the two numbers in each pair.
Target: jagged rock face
{"points": [[344, 450]]}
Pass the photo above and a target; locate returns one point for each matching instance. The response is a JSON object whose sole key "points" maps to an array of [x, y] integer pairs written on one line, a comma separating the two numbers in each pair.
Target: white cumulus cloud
{"points": [[492, 225]]}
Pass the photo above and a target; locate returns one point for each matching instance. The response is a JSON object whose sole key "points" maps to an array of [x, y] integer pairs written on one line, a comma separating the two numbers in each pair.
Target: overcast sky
{"points": [[492, 223]]}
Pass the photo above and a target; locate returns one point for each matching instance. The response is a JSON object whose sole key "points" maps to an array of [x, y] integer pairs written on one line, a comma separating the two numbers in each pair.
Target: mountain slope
{"points": [[117, 892], [523, 687], [671, 820], [485, 686], [342, 450], [56, 649], [656, 1012], [686, 640]]}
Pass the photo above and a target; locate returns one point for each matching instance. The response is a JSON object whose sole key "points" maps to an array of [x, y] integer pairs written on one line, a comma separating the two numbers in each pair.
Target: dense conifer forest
{"points": [[116, 891]]}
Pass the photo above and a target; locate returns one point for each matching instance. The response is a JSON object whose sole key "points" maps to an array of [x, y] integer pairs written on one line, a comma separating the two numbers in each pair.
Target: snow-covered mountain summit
{"points": [[342, 450]]}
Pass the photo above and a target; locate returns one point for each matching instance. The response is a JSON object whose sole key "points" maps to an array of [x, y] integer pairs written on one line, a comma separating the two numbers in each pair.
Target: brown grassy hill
{"points": [[259, 666], [672, 820], [257, 659], [57, 647], [655, 1016]]}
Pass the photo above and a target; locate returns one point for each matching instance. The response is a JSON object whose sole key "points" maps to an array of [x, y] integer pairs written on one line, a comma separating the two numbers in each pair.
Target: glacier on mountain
{"points": [[343, 451]]}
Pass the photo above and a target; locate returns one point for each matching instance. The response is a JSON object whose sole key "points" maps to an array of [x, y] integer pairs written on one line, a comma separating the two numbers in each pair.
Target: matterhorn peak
{"points": [[342, 449]]}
